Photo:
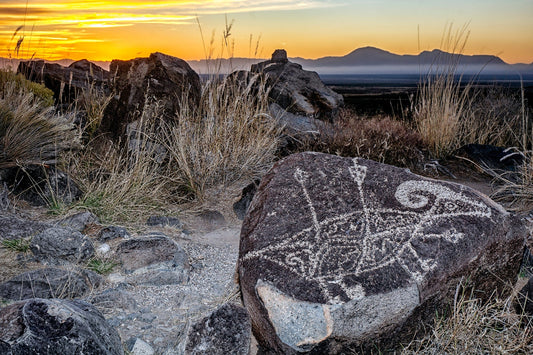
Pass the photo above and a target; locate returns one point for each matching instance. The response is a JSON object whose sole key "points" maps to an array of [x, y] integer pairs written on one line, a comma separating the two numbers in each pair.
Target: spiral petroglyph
{"points": [[338, 252]]}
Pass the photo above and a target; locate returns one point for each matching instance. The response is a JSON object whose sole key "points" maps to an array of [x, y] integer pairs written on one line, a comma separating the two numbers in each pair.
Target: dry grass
{"points": [[228, 137], [379, 138], [475, 327], [30, 131]]}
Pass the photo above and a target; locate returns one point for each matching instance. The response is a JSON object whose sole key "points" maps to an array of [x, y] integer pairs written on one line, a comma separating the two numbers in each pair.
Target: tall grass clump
{"points": [[30, 130], [443, 103], [476, 327], [229, 136]]}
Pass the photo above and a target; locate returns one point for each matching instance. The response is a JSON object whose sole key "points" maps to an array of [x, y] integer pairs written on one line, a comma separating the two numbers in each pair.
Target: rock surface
{"points": [[39, 326], [66, 82], [225, 331], [154, 260], [339, 253], [59, 246], [41, 185], [298, 91], [50, 283], [15, 227], [142, 81], [78, 221]]}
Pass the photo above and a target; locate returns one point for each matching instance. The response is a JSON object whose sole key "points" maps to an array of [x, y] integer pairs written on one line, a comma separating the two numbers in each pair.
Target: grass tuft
{"points": [[17, 245]]}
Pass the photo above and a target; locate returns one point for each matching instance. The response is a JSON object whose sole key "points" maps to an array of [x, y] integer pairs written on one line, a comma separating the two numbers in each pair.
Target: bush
{"points": [[40, 92], [30, 132], [379, 138]]}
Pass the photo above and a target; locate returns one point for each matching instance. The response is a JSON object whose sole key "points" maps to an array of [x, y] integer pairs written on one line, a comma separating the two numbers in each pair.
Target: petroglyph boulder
{"points": [[339, 253], [141, 82]]}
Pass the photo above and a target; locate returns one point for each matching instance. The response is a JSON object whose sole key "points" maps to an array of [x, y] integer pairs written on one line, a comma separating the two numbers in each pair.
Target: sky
{"points": [[190, 29]]}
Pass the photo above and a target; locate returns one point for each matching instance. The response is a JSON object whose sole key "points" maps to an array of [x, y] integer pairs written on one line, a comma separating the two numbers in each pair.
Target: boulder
{"points": [[41, 185], [66, 82], [78, 221], [59, 246], [298, 91], [225, 331], [50, 283], [40, 326], [15, 227], [341, 253], [153, 260], [142, 81], [492, 157]]}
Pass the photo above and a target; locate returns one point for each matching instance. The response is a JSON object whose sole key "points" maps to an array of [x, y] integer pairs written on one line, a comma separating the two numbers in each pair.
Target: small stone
{"points": [[112, 232]]}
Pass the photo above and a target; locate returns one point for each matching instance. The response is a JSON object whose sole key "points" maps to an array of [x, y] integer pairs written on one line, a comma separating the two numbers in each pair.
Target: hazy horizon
{"points": [[102, 30]]}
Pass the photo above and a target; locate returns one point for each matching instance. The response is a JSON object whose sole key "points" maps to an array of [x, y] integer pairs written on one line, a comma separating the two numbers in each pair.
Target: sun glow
{"points": [[104, 30]]}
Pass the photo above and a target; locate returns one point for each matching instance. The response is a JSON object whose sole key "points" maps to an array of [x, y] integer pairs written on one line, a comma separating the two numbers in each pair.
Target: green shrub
{"points": [[40, 92]]}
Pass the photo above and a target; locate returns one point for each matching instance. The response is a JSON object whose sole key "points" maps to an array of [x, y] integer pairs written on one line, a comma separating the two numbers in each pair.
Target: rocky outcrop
{"points": [[39, 326], [66, 82], [143, 81], [340, 253], [298, 91], [50, 283], [225, 331]]}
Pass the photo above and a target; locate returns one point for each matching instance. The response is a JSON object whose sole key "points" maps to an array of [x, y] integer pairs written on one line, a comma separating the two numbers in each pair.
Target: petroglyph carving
{"points": [[335, 251]]}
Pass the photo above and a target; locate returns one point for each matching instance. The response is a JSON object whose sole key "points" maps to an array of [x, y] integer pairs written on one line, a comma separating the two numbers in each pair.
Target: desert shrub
{"points": [[227, 137], [378, 138], [476, 327], [30, 131]]}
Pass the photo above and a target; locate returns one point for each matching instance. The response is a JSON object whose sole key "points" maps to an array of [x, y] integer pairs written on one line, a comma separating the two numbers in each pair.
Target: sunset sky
{"points": [[105, 30]]}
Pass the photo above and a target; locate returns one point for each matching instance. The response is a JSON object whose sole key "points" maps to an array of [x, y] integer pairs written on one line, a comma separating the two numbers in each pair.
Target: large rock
{"points": [[339, 253], [16, 227], [50, 283], [39, 326], [298, 91], [225, 331], [154, 260], [41, 185], [66, 82], [141, 81], [59, 246]]}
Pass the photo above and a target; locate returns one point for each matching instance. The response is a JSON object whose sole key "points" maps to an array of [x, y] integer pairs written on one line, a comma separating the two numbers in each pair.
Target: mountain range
{"points": [[362, 60]]}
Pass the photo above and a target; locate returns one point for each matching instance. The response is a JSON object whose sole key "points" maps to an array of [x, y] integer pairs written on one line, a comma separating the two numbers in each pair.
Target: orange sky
{"points": [[105, 30]]}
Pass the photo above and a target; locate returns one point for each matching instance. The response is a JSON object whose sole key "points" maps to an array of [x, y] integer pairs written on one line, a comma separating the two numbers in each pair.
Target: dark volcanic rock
{"points": [[524, 302], [241, 207], [78, 221], [225, 331], [155, 260], [66, 82], [15, 227], [492, 157], [337, 253], [162, 221], [56, 246], [139, 81], [41, 185], [112, 232], [50, 283], [298, 91], [39, 326]]}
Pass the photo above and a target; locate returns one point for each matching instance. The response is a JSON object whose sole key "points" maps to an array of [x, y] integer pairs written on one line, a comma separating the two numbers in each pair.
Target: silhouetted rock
{"points": [[298, 91], [39, 326], [66, 82], [50, 283], [340, 253], [225, 331], [143, 81], [41, 185]]}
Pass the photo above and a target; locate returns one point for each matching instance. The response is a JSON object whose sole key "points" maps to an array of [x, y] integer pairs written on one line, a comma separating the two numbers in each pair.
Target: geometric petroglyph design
{"points": [[370, 238]]}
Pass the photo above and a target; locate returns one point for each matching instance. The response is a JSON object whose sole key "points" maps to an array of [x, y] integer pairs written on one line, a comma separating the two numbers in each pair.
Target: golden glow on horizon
{"points": [[105, 30]]}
